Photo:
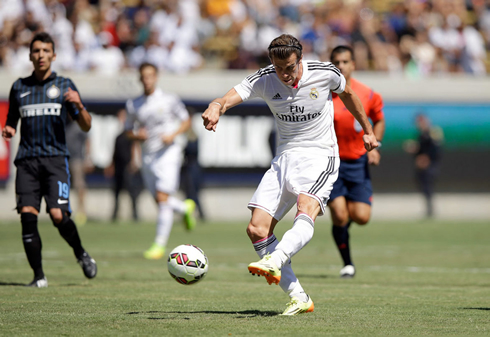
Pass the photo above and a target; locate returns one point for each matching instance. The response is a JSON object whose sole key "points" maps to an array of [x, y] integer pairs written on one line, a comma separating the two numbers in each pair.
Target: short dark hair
{"points": [[284, 46], [341, 49], [147, 64], [43, 37]]}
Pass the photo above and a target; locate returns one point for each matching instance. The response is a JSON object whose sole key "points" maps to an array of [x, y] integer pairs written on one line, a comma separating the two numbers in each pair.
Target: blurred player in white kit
{"points": [[159, 120]]}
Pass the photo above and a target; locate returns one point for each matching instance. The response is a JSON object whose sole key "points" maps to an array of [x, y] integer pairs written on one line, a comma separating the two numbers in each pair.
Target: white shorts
{"points": [[161, 170], [294, 173]]}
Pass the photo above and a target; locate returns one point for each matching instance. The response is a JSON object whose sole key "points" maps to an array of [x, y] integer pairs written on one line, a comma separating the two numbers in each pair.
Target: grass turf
{"points": [[413, 278]]}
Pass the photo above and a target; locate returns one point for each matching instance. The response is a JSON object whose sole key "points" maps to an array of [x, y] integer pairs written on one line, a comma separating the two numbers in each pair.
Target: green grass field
{"points": [[413, 278]]}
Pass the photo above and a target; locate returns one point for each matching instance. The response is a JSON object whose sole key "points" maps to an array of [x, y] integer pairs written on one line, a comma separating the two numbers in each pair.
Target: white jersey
{"points": [[159, 113], [304, 115]]}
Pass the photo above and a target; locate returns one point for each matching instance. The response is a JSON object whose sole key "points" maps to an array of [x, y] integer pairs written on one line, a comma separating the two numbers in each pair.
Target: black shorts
{"points": [[39, 177]]}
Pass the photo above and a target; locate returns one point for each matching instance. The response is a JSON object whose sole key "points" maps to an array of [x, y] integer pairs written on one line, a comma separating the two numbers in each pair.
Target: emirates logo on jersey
{"points": [[314, 94]]}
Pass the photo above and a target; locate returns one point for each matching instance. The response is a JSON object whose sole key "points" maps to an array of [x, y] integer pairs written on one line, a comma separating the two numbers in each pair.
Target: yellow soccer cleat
{"points": [[296, 307], [189, 218], [267, 268], [155, 252]]}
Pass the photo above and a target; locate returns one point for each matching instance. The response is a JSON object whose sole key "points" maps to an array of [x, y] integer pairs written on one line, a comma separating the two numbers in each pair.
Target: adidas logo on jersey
{"points": [[277, 96]]}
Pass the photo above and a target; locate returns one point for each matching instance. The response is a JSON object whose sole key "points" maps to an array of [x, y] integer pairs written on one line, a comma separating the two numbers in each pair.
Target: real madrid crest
{"points": [[54, 92], [314, 94]]}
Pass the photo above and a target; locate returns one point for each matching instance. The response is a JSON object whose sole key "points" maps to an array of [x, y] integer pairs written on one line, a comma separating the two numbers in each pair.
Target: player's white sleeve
{"points": [[246, 89], [337, 82]]}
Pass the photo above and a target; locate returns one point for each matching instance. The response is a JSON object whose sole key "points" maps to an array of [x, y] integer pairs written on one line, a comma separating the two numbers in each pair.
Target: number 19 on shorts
{"points": [[63, 190]]}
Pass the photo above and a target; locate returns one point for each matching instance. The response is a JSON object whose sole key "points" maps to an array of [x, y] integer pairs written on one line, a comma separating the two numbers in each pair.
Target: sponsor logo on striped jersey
{"points": [[42, 109]]}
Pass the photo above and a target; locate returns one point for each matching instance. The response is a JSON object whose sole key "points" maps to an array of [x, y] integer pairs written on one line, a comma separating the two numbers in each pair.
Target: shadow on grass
{"points": [[240, 314], [12, 284], [301, 276], [484, 309]]}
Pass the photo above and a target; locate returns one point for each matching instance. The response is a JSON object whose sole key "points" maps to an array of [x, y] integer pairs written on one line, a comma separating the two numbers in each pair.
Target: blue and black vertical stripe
{"points": [[42, 126]]}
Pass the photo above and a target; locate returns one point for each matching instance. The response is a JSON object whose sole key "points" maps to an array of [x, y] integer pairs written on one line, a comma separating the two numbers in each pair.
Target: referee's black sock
{"points": [[341, 237], [68, 230], [32, 243]]}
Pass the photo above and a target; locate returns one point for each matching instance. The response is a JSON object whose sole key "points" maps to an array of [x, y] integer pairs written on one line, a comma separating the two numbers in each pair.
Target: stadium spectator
{"points": [[42, 157], [351, 196], [223, 31], [427, 156], [150, 52], [158, 120], [108, 60], [306, 162]]}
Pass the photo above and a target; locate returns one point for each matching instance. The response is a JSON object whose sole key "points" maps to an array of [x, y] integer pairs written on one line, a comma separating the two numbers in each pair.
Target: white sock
{"points": [[165, 221], [289, 282], [176, 204], [298, 236]]}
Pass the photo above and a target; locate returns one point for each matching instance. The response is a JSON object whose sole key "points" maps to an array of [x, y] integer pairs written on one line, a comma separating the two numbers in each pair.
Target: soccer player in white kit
{"points": [[299, 95], [158, 120]]}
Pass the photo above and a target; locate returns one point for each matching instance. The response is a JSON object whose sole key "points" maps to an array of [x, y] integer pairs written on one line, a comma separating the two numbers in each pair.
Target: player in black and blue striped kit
{"points": [[42, 102]]}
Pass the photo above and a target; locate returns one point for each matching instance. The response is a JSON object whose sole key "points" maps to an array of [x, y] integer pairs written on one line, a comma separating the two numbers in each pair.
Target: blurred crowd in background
{"points": [[411, 37]]}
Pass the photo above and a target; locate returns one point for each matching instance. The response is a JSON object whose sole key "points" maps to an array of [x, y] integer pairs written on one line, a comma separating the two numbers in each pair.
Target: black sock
{"points": [[69, 232], [32, 243], [341, 237]]}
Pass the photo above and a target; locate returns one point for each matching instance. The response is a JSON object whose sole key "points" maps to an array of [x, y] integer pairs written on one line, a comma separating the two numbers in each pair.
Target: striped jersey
{"points": [[303, 114], [159, 113], [42, 110]]}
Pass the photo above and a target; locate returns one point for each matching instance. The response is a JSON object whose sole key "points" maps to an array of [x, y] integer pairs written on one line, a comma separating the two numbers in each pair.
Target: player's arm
{"points": [[354, 105], [84, 119], [184, 126], [134, 131], [377, 116], [218, 107], [13, 117]]}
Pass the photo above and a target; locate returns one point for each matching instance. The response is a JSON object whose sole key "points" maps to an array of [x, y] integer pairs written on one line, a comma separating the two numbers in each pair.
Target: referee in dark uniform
{"points": [[42, 102]]}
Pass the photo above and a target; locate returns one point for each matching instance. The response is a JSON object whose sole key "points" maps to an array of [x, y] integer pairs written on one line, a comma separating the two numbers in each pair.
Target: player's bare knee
{"points": [[361, 220], [340, 218], [29, 209], [256, 232], [56, 216]]}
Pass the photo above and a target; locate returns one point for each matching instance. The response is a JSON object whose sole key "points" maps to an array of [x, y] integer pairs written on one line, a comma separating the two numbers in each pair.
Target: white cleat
{"points": [[348, 271], [41, 283], [296, 307]]}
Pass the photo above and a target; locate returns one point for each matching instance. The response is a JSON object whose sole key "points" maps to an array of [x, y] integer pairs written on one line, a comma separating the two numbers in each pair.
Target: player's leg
{"points": [[32, 245], [165, 220], [78, 179], [313, 175], [291, 243], [359, 212], [263, 222], [340, 230], [28, 191], [167, 169], [56, 191]]}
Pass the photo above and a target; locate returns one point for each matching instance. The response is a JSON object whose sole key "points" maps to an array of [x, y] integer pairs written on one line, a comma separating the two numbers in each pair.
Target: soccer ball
{"points": [[187, 264]]}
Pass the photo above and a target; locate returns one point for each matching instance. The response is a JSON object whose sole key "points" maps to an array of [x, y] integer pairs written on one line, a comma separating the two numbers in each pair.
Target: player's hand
{"points": [[374, 157], [8, 132], [72, 96], [211, 117], [370, 141], [168, 139], [142, 134]]}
